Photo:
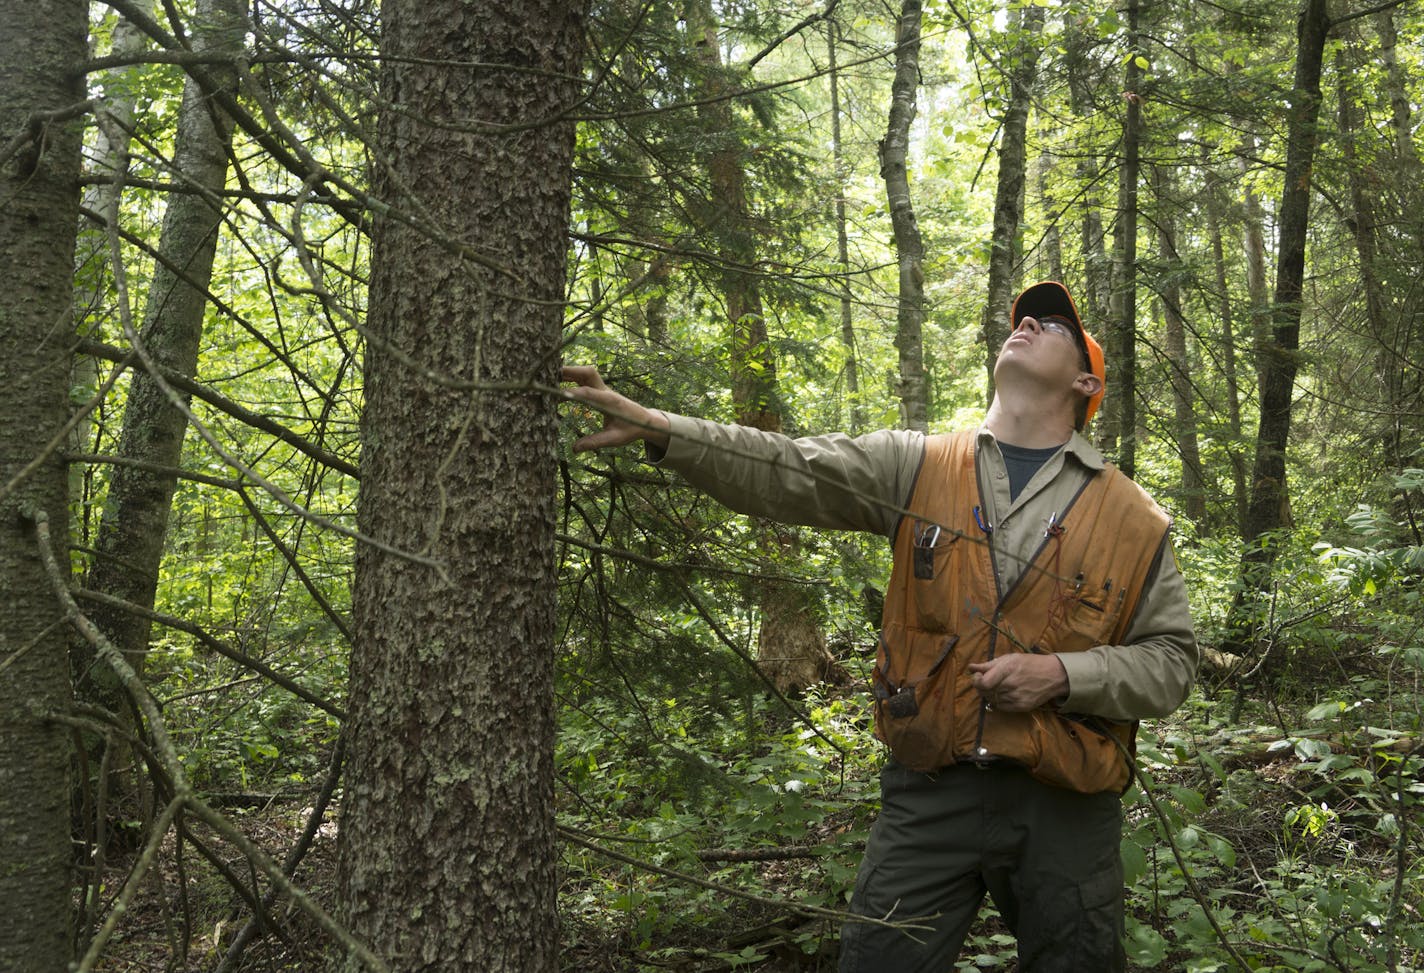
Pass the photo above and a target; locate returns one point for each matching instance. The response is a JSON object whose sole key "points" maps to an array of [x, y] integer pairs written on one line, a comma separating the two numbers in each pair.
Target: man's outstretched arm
{"points": [[831, 481]]}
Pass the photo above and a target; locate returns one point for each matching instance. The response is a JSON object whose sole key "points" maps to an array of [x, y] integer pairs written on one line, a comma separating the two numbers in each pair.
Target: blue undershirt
{"points": [[1022, 464]]}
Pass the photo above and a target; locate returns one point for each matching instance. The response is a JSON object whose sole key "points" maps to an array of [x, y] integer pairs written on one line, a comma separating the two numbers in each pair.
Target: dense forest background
{"points": [[318, 644]]}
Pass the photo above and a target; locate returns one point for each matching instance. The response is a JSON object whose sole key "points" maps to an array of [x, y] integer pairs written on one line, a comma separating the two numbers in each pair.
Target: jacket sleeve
{"points": [[1151, 673], [835, 481]]}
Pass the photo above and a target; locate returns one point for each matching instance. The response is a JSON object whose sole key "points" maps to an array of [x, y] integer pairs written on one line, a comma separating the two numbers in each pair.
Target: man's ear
{"points": [[1088, 384]]}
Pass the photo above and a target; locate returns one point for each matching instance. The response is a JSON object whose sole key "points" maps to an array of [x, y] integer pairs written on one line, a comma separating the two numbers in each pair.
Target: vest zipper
{"points": [[980, 755]]}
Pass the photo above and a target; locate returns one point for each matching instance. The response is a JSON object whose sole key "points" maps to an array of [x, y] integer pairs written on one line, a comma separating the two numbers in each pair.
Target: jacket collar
{"points": [[1078, 447]]}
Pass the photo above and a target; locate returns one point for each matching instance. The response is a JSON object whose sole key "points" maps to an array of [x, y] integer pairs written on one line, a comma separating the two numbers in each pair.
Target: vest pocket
{"points": [[1072, 753], [913, 692], [936, 570], [1093, 610]]}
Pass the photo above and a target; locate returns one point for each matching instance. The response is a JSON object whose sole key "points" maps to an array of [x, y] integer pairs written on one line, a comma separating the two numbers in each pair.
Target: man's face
{"points": [[1045, 347]]}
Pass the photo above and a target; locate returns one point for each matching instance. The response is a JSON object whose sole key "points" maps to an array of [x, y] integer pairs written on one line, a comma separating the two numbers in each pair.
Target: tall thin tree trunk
{"points": [[754, 385], [1005, 247], [1121, 405], [135, 522], [1265, 513], [447, 854], [1363, 222], [852, 367], [791, 648], [1095, 289], [1254, 240], [1052, 233], [909, 247], [1236, 444], [40, 90], [1184, 422], [1406, 148], [92, 283], [1407, 181], [1258, 293]]}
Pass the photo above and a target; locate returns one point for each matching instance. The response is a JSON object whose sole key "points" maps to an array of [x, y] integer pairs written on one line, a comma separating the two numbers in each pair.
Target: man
{"points": [[1033, 615]]}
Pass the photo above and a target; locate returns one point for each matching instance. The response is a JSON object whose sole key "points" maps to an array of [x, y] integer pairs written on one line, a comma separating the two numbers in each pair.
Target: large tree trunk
{"points": [[447, 856], [909, 248], [1005, 247], [1265, 512], [1121, 406], [40, 86]]}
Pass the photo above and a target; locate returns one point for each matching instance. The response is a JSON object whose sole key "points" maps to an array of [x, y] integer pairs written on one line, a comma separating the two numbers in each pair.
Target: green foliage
{"points": [[1288, 786]]}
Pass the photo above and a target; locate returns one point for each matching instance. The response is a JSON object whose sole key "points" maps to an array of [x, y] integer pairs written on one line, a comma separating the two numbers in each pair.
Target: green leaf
{"points": [[1145, 945], [1320, 712], [1134, 861]]}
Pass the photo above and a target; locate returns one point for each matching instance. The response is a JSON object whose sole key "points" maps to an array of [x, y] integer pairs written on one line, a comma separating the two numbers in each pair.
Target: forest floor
{"points": [[1290, 836]]}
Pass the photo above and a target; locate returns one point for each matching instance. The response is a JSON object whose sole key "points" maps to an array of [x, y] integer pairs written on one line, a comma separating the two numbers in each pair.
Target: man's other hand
{"points": [[1020, 682]]}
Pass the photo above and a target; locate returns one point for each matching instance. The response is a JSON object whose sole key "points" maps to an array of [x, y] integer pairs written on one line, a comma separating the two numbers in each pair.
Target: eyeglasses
{"points": [[1058, 326], [1061, 326]]}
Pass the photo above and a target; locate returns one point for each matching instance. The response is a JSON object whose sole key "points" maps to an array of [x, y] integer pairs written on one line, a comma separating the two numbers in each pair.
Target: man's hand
{"points": [[624, 421], [1020, 682]]}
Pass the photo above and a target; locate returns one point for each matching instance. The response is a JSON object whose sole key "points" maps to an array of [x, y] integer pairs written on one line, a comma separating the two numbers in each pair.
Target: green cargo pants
{"points": [[1049, 858]]}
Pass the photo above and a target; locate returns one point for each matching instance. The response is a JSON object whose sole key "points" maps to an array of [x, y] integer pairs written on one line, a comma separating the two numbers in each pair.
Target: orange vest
{"points": [[943, 611]]}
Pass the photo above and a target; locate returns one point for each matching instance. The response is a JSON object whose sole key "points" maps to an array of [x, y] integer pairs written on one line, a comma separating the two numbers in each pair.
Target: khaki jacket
{"points": [[946, 608], [864, 483]]}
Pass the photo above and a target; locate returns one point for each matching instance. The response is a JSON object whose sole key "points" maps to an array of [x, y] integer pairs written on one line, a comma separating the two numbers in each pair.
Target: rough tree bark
{"points": [[447, 855], [909, 247], [41, 97], [1005, 247]]}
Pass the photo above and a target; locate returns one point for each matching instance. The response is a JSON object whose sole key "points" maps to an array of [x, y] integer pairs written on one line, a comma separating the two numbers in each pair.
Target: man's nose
{"points": [[1028, 321]]}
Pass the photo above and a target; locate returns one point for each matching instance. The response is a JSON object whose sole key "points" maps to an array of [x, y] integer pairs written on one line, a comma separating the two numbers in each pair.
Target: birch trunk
{"points": [[909, 247]]}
